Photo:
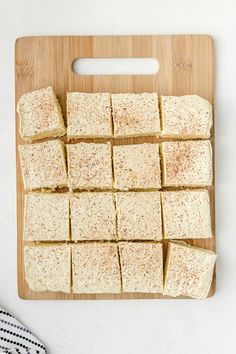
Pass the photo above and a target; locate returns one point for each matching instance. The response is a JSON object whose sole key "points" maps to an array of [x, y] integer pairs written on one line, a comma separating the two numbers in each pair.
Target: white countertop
{"points": [[127, 327]]}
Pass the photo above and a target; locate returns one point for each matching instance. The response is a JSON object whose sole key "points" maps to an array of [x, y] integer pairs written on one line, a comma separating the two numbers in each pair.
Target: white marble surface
{"points": [[127, 327]]}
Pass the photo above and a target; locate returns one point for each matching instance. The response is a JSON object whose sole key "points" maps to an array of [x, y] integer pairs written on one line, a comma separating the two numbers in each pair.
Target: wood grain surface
{"points": [[186, 67]]}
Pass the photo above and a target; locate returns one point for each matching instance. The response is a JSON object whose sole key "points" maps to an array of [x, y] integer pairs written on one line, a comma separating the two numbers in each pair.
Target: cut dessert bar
{"points": [[89, 166], [46, 217], [188, 271], [135, 114], [93, 216], [88, 115], [43, 165], [186, 214], [47, 267], [139, 216], [137, 166], [186, 163], [186, 117], [95, 268], [40, 115], [141, 267]]}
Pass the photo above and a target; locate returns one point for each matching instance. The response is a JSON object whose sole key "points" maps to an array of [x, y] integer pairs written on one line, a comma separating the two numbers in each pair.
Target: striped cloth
{"points": [[15, 338]]}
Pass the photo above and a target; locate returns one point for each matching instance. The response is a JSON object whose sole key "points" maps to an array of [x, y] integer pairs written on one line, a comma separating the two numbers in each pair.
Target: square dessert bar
{"points": [[40, 115], [186, 163], [135, 114], [43, 165], [47, 267], [141, 267], [89, 166], [46, 217], [186, 117], [137, 166], [188, 271], [95, 268], [186, 214], [88, 115], [139, 216], [93, 216]]}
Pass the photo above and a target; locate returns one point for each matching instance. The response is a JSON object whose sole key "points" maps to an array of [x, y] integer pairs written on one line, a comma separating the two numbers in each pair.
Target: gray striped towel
{"points": [[15, 338]]}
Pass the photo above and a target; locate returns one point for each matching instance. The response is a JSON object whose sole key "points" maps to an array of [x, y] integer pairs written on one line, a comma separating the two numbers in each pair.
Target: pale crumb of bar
{"points": [[43, 165], [186, 163], [40, 115], [186, 117], [46, 217], [141, 267], [89, 166], [88, 115], [135, 114], [139, 216], [186, 214], [93, 216], [47, 267], [95, 268], [188, 271], [137, 166]]}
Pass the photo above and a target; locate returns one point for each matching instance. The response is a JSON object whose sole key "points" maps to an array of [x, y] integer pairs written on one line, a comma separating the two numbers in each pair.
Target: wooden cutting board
{"points": [[186, 67]]}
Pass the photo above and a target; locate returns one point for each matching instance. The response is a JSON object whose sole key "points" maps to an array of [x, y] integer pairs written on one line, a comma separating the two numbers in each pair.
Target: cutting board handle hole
{"points": [[115, 66]]}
